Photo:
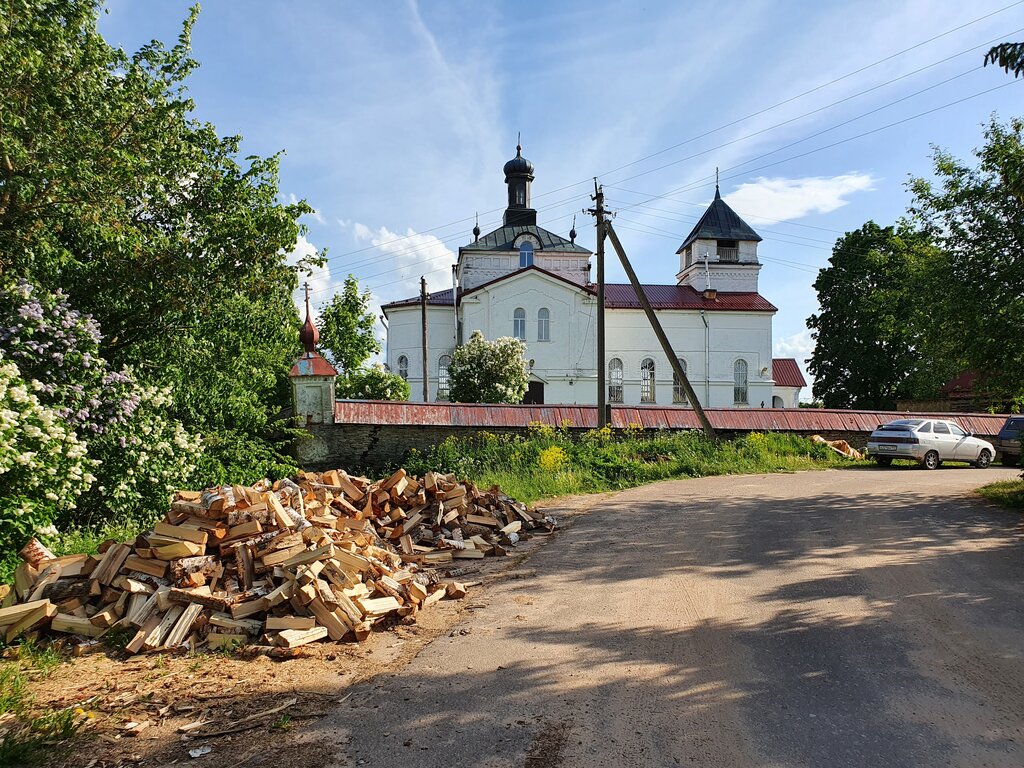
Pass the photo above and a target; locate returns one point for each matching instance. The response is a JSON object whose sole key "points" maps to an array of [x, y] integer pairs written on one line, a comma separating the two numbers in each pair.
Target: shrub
{"points": [[122, 451], [484, 371]]}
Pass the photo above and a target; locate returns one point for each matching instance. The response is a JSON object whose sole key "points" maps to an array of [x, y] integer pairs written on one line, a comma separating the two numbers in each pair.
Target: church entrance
{"points": [[535, 394]]}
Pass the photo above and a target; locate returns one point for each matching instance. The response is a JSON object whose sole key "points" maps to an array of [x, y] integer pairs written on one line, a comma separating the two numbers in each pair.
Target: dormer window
{"points": [[728, 251], [525, 254]]}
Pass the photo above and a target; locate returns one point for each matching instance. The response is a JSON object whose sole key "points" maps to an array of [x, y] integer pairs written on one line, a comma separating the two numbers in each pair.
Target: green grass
{"points": [[28, 738], [550, 462], [1009, 493], [75, 541]]}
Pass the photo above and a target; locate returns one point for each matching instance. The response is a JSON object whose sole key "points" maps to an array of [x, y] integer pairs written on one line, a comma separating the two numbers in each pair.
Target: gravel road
{"points": [[863, 617]]}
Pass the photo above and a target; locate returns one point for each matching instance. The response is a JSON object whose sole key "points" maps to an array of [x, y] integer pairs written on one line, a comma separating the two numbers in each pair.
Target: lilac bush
{"points": [[137, 452]]}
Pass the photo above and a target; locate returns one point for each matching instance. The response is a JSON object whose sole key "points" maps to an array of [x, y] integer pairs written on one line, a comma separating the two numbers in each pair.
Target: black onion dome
{"points": [[518, 165]]}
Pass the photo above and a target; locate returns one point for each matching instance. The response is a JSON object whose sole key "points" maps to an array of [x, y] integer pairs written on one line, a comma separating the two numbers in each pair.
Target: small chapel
{"points": [[525, 281]]}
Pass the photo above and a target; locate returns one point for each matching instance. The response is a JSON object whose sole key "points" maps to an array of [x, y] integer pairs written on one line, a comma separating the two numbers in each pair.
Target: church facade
{"points": [[522, 280]]}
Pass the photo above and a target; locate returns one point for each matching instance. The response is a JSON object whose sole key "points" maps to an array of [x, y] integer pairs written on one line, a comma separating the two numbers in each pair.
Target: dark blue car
{"points": [[1008, 441]]}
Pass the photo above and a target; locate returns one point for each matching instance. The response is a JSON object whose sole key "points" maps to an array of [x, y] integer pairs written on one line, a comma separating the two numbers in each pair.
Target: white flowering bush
{"points": [[484, 371], [44, 467], [135, 450]]}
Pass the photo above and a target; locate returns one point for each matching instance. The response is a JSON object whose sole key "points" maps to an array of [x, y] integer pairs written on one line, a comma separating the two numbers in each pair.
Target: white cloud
{"points": [[405, 258], [316, 215], [799, 345], [320, 281], [780, 199]]}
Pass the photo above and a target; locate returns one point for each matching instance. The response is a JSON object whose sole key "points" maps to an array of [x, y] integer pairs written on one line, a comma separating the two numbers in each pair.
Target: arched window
{"points": [[615, 380], [739, 386], [443, 382], [543, 324], [526, 254], [678, 391], [403, 367], [647, 393], [519, 323]]}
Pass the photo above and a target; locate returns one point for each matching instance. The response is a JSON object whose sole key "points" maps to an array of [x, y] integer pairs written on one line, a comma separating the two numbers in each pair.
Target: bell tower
{"points": [[518, 177]]}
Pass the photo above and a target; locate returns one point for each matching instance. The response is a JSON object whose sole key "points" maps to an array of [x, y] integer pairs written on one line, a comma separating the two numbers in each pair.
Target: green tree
{"points": [[151, 222], [484, 371], [873, 332], [1008, 56], [347, 328], [976, 215], [373, 383]]}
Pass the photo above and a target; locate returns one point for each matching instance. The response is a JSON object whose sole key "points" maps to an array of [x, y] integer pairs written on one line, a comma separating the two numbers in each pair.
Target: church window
{"points": [[678, 391], [543, 324], [739, 388], [526, 255], [443, 381], [519, 323], [615, 380], [647, 389], [403, 367]]}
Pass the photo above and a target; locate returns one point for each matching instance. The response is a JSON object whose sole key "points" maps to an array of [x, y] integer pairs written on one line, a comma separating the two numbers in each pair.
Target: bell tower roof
{"points": [[720, 222]]}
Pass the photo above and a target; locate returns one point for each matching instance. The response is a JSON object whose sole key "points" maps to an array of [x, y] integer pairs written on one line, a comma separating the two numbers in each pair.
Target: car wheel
{"points": [[884, 461], [984, 459], [931, 460], [1009, 461]]}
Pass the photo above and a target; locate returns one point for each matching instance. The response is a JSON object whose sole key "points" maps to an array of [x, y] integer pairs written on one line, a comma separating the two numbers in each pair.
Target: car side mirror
{"points": [[970, 434]]}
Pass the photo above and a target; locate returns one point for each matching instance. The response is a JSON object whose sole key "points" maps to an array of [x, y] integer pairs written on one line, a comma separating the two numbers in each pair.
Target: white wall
{"points": [[566, 363], [730, 335], [405, 338]]}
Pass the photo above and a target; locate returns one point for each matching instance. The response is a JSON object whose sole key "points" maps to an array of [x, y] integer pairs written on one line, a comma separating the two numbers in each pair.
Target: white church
{"points": [[522, 280]]}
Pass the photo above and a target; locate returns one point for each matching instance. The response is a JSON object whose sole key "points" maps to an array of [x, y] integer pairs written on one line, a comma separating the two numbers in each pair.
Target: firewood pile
{"points": [[272, 566]]}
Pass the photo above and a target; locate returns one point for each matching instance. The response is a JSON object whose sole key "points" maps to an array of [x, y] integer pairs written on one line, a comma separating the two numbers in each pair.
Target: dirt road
{"points": [[845, 618]]}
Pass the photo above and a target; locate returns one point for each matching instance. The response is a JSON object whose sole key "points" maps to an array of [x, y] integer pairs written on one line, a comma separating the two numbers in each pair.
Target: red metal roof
{"points": [[649, 416], [311, 364], [622, 296], [786, 373]]}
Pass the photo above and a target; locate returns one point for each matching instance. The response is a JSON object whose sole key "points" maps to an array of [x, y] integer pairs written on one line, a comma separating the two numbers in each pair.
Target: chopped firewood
{"points": [[74, 625], [293, 638], [316, 555]]}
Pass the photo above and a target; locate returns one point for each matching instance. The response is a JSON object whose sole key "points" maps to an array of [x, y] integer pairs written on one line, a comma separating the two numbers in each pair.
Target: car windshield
{"points": [[1015, 424]]}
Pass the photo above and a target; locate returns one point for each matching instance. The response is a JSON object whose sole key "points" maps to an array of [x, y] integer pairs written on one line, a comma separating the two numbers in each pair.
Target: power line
{"points": [[726, 125], [704, 180]]}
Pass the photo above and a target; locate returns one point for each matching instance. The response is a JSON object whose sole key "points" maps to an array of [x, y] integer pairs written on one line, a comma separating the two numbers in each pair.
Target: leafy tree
{"points": [[1008, 56], [976, 215], [347, 328], [149, 220], [373, 383], [873, 331], [484, 371]]}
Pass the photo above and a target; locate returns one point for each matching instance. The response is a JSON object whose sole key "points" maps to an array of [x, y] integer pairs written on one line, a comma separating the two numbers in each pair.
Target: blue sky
{"points": [[396, 118]]}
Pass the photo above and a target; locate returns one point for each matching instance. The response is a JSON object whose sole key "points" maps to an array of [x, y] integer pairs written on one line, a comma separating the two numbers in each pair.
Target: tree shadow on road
{"points": [[829, 667]]}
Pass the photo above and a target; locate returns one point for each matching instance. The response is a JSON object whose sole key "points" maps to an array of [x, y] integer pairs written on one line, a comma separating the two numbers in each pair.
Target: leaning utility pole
{"points": [[423, 320], [660, 332], [603, 415]]}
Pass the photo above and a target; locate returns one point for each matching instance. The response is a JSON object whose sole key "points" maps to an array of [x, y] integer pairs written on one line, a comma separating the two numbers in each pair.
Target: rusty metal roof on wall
{"points": [[648, 416]]}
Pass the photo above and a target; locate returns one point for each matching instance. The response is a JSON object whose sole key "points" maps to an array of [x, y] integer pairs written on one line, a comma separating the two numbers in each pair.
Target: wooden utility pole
{"points": [[660, 332], [423, 320], [603, 415]]}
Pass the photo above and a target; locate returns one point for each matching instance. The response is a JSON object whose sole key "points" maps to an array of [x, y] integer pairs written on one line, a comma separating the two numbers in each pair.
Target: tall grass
{"points": [[552, 462]]}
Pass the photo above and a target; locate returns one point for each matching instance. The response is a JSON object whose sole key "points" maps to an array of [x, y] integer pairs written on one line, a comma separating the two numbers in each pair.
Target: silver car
{"points": [[928, 441]]}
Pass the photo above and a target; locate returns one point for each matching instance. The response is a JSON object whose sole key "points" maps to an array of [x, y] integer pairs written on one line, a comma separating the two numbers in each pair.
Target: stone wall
{"points": [[369, 447]]}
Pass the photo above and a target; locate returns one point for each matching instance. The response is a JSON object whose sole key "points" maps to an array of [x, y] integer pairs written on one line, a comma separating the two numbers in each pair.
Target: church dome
{"points": [[518, 165]]}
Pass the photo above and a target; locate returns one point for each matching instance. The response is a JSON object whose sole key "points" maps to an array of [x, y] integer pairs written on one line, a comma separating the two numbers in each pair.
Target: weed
{"points": [[552, 462], [283, 723], [41, 657], [27, 739], [1009, 493]]}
